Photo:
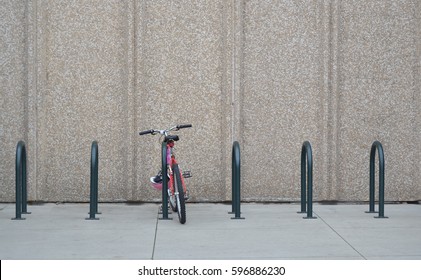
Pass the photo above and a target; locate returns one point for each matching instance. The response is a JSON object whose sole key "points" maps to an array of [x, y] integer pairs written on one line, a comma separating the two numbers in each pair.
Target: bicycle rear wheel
{"points": [[179, 194]]}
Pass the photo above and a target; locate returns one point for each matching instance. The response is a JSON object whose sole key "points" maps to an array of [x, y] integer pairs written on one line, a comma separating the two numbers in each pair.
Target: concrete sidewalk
{"points": [[269, 231]]}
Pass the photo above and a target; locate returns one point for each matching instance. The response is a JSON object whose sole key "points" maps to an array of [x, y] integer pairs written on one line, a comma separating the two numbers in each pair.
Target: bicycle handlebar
{"points": [[183, 126], [177, 127], [146, 132]]}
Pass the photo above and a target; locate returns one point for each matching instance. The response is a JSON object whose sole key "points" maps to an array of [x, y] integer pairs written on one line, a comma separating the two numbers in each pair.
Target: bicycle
{"points": [[177, 191]]}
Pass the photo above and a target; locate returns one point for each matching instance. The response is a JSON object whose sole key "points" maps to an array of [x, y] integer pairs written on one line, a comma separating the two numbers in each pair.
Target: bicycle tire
{"points": [[181, 203]]}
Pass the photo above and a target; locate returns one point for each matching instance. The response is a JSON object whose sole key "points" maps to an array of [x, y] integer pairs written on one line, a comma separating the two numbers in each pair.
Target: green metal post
{"points": [[164, 183], [233, 176], [233, 201], [377, 145], [371, 190], [303, 182], [24, 182], [306, 153], [20, 177], [236, 167], [93, 204], [96, 175]]}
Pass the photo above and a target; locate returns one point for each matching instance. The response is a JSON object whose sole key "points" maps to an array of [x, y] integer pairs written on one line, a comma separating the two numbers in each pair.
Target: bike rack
{"points": [[21, 182], [377, 146], [93, 201], [164, 183], [236, 176], [306, 153]]}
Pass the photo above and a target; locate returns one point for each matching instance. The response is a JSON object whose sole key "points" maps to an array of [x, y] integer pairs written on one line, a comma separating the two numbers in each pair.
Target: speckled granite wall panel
{"points": [[270, 74], [179, 57], [85, 99], [378, 96], [12, 90], [281, 98], [417, 73]]}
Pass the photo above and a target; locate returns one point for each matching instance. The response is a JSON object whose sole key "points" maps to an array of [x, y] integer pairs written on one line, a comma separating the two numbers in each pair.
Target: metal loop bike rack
{"points": [[307, 154], [236, 177], [93, 201], [377, 146], [21, 181]]}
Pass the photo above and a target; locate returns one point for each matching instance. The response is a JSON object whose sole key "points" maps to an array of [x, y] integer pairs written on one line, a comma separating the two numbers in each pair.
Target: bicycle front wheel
{"points": [[179, 194]]}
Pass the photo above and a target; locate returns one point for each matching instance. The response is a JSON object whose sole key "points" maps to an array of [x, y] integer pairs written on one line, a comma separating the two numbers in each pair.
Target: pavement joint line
{"points": [[349, 244], [156, 233]]}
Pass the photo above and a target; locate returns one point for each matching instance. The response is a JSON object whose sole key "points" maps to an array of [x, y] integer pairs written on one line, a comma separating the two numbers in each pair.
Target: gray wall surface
{"points": [[270, 74]]}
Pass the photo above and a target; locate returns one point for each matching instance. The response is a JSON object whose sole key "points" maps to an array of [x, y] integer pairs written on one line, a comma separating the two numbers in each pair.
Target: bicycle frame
{"points": [[170, 162]]}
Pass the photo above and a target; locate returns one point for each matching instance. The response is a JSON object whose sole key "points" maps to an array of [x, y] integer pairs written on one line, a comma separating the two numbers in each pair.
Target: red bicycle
{"points": [[177, 191]]}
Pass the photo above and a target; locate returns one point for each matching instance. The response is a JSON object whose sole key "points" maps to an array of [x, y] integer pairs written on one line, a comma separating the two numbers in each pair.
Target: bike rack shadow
{"points": [[306, 154], [21, 182], [377, 146], [93, 201], [236, 177]]}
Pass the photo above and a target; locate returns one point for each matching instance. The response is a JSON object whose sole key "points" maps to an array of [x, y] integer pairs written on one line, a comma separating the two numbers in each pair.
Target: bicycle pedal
{"points": [[187, 174]]}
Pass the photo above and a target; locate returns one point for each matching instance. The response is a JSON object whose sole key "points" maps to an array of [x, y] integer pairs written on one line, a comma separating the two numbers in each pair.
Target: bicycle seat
{"points": [[172, 137]]}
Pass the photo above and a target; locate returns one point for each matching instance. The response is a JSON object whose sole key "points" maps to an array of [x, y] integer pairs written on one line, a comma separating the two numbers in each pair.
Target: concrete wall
{"points": [[377, 97], [270, 74], [13, 90]]}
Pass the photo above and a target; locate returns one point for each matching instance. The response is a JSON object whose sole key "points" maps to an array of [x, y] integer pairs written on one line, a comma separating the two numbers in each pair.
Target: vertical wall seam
{"points": [[223, 100], [334, 98], [417, 93], [130, 160], [233, 69], [324, 69]]}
